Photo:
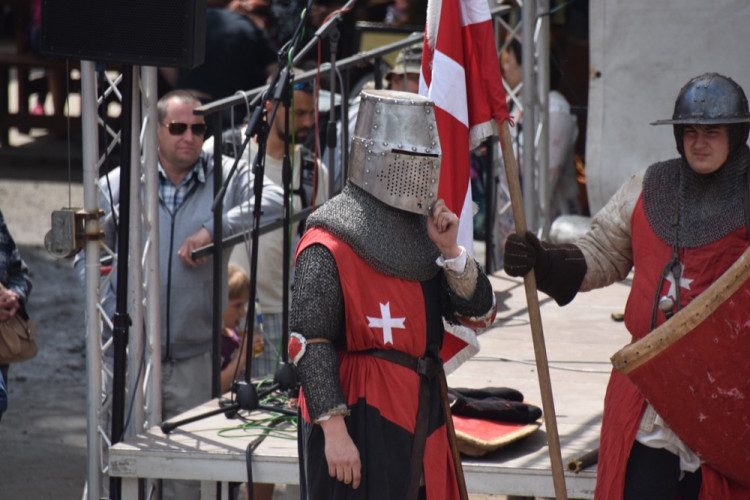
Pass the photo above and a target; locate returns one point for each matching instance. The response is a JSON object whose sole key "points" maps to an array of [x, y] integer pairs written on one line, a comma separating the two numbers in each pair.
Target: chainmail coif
{"points": [[710, 206], [392, 241]]}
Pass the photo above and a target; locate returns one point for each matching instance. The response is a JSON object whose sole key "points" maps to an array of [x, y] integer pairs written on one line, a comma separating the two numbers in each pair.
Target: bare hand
{"points": [[9, 304], [341, 453], [442, 228], [196, 240]]}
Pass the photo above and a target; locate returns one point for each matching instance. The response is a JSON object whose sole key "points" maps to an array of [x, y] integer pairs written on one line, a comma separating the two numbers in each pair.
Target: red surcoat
{"points": [[383, 312]]}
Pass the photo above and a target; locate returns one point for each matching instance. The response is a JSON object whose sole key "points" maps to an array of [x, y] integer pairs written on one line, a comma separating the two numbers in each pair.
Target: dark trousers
{"points": [[654, 474]]}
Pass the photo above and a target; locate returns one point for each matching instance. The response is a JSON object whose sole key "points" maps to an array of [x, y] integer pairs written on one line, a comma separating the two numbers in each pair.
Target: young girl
{"points": [[232, 361]]}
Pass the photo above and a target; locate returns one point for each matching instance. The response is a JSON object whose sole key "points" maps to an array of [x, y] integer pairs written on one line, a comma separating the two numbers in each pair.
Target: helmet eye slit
{"points": [[414, 153]]}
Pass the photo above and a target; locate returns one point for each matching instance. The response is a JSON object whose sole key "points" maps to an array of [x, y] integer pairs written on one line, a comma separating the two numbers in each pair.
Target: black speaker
{"points": [[138, 32]]}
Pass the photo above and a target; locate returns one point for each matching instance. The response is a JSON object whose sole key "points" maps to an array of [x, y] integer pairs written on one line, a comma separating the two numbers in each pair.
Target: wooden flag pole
{"points": [[463, 493], [535, 319]]}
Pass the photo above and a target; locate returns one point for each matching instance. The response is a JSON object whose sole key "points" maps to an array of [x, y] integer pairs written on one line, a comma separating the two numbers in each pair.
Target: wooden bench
{"points": [[22, 119]]}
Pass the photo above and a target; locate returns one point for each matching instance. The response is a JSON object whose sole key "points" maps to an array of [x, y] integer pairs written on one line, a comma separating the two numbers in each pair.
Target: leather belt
{"points": [[427, 367]]}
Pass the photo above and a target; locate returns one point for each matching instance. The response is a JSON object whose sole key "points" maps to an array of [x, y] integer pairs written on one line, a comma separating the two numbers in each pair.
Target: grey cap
{"points": [[409, 60]]}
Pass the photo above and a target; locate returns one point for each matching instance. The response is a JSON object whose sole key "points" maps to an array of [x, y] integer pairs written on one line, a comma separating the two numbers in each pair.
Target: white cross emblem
{"points": [[684, 283], [386, 322]]}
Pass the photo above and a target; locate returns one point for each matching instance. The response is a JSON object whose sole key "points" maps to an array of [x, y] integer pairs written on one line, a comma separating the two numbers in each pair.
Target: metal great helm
{"points": [[395, 152], [711, 99]]}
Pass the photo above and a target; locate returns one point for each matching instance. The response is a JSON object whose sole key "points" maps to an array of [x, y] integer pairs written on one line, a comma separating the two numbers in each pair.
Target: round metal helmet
{"points": [[708, 99], [395, 152]]}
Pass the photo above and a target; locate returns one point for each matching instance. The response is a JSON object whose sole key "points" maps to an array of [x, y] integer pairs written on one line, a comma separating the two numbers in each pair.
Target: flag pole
{"points": [[535, 319]]}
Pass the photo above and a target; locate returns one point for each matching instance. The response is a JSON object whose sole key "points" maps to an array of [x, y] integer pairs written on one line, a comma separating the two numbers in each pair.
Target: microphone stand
{"points": [[280, 82], [220, 189], [286, 176], [244, 395], [280, 87], [330, 28], [331, 23]]}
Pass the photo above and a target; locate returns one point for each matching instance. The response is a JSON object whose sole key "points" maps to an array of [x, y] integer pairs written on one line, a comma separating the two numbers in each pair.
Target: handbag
{"points": [[17, 339]]}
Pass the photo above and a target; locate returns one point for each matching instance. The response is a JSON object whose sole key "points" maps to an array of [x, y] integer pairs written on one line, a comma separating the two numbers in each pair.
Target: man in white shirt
{"points": [[309, 186]]}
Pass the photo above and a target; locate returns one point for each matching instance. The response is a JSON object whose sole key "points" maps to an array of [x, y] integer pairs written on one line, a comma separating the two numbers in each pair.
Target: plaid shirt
{"points": [[172, 195], [13, 271]]}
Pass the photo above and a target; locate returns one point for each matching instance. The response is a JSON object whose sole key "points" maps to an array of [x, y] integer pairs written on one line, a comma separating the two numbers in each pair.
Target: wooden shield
{"points": [[695, 371]]}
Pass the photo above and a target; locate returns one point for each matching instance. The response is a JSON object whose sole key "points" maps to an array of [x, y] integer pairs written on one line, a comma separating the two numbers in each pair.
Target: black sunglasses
{"points": [[176, 128]]}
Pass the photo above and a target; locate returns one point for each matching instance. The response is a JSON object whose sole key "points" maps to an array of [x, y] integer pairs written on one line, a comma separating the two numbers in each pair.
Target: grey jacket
{"points": [[186, 293]]}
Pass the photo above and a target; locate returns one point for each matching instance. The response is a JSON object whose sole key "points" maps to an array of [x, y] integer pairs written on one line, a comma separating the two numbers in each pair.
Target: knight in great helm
{"points": [[378, 271], [680, 224]]}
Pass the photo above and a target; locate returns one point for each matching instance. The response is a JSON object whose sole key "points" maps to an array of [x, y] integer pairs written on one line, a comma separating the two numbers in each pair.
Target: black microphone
{"points": [[286, 377]]}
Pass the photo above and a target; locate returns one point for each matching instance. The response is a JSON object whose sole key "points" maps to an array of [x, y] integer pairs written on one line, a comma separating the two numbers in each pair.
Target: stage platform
{"points": [[579, 338]]}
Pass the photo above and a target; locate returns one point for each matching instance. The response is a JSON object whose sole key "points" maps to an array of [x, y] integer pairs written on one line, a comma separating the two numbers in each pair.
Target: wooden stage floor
{"points": [[579, 338]]}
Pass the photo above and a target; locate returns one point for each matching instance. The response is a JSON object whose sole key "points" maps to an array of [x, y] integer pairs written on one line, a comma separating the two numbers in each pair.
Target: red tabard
{"points": [[383, 312], [624, 404]]}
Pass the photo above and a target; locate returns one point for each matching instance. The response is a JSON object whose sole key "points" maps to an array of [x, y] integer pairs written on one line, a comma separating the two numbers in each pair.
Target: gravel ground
{"points": [[43, 433]]}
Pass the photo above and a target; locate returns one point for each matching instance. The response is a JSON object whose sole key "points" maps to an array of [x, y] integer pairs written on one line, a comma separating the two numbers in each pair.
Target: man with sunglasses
{"points": [[680, 224], [186, 195]]}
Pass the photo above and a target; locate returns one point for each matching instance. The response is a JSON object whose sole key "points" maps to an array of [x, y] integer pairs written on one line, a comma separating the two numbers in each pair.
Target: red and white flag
{"points": [[461, 75]]}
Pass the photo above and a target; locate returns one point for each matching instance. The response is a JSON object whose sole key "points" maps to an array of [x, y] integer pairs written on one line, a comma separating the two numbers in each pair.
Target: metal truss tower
{"points": [[101, 89], [528, 22]]}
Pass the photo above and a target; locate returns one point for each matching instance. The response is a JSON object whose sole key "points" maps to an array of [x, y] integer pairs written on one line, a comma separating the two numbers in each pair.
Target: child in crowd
{"points": [[232, 360], [232, 357]]}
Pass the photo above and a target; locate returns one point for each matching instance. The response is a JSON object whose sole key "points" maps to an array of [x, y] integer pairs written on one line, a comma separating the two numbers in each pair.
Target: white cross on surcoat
{"points": [[386, 322], [684, 283]]}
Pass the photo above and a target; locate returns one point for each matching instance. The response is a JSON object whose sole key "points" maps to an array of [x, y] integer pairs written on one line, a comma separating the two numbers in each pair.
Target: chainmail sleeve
{"points": [[317, 313]]}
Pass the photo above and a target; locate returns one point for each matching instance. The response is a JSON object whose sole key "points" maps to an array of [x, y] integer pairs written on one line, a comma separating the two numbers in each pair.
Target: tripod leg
{"points": [[168, 427]]}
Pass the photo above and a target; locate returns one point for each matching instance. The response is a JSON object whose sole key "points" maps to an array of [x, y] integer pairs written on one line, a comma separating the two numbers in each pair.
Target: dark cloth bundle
{"points": [[493, 403]]}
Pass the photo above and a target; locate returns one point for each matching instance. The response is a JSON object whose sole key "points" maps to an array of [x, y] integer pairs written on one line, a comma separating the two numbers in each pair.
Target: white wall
{"points": [[642, 53]]}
